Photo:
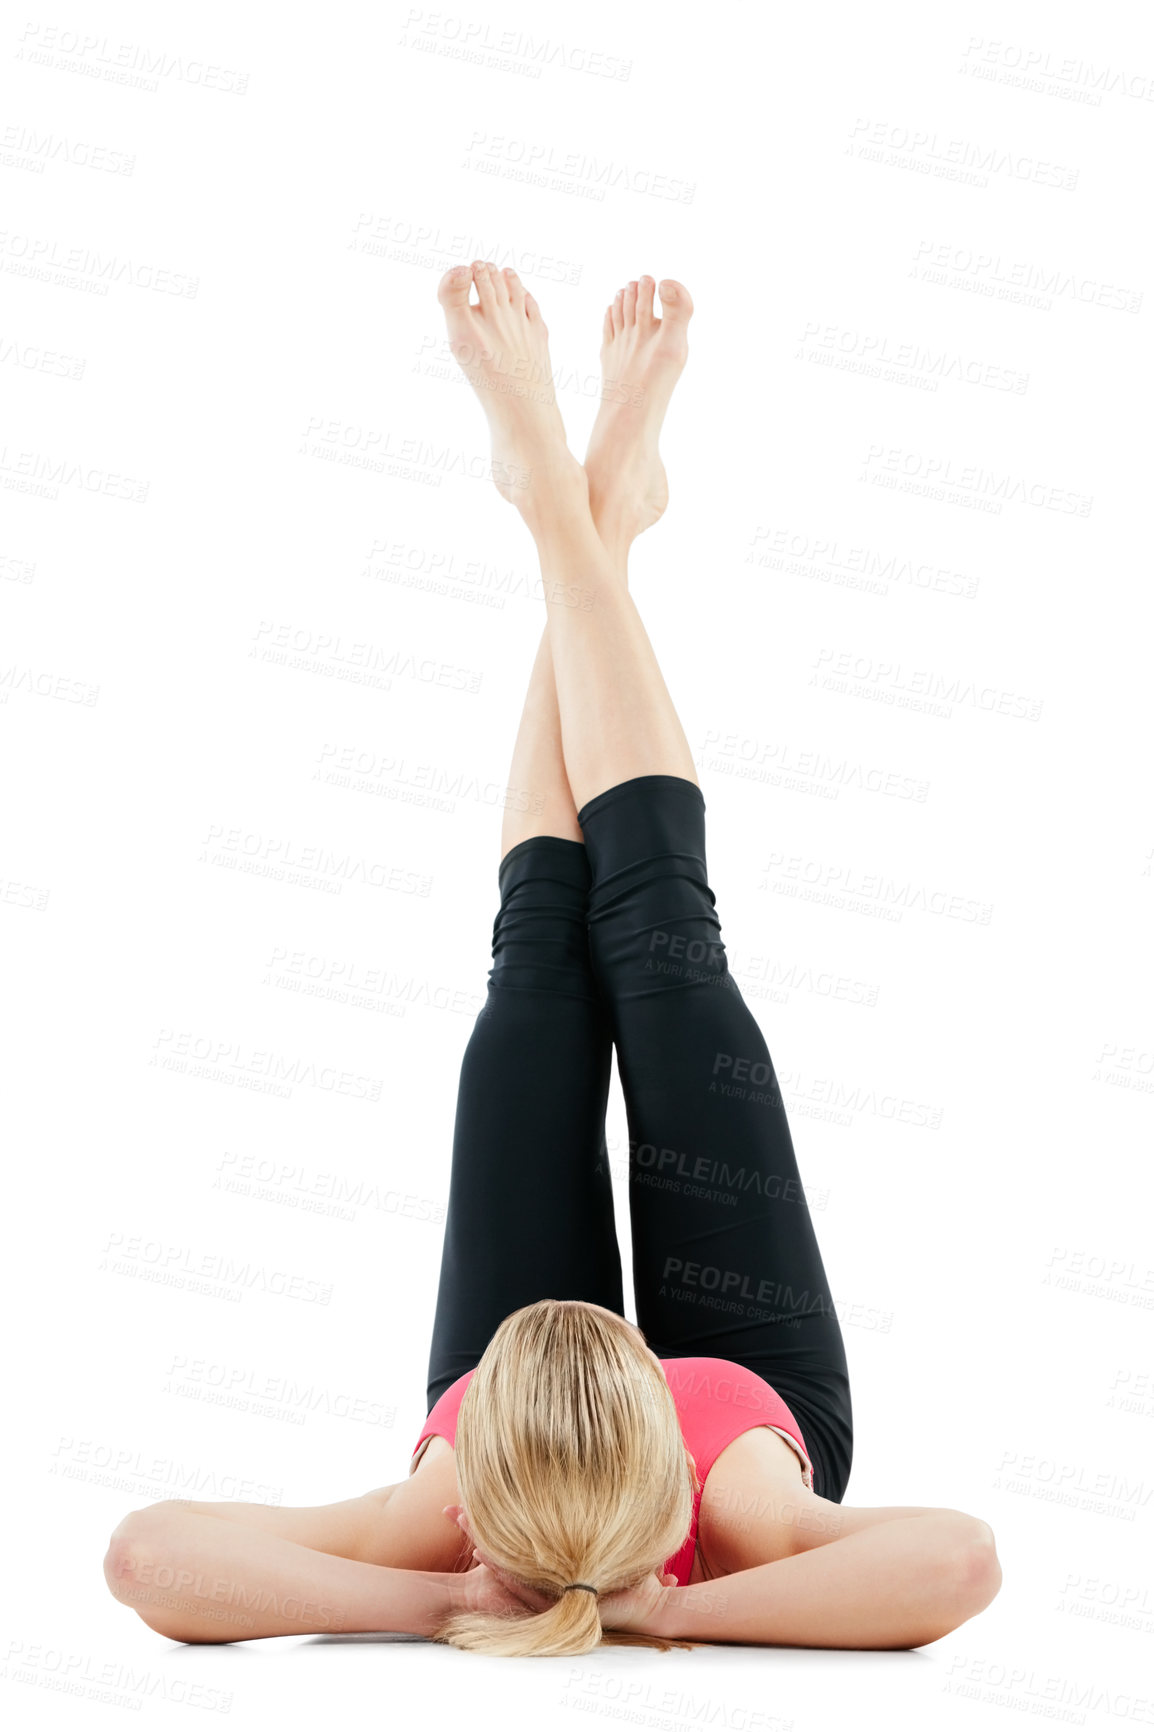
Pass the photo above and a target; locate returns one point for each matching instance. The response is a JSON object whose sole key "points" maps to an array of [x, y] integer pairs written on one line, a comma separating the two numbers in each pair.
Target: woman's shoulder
{"points": [[756, 1506], [407, 1529]]}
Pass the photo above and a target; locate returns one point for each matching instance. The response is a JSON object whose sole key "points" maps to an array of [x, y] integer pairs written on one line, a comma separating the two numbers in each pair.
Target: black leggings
{"points": [[615, 940]]}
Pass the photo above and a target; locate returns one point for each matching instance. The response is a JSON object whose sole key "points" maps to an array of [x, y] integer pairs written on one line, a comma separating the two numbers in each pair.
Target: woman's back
{"points": [[717, 1402]]}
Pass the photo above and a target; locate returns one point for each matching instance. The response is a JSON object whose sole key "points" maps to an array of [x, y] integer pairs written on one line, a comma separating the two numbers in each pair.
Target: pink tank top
{"points": [[716, 1401]]}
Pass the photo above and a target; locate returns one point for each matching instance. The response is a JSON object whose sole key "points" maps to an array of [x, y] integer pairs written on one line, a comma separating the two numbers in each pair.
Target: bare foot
{"points": [[641, 361], [503, 348]]}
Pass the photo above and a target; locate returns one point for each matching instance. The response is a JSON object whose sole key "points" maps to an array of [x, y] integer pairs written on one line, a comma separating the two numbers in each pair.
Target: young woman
{"points": [[579, 1478]]}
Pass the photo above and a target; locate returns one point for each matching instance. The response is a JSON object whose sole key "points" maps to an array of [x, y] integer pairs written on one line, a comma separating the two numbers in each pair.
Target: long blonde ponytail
{"points": [[572, 1468]]}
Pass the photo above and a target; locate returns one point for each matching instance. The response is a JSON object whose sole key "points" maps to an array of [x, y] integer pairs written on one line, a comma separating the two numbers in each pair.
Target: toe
{"points": [[618, 312], [516, 289], [486, 293], [453, 289], [500, 280], [607, 327], [533, 311], [630, 305], [645, 288], [676, 306]]}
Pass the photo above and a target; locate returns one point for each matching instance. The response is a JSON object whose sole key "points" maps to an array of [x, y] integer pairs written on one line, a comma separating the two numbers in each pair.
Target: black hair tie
{"points": [[569, 1586]]}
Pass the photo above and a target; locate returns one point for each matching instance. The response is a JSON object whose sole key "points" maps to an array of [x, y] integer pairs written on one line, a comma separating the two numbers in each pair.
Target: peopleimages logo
{"points": [[732, 1283], [231, 1061]]}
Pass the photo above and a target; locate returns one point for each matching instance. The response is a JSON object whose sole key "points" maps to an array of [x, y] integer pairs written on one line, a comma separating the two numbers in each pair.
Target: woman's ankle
{"points": [[554, 496]]}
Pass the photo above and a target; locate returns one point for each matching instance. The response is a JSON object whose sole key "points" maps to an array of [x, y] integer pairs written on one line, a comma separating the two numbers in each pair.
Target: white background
{"points": [[938, 914]]}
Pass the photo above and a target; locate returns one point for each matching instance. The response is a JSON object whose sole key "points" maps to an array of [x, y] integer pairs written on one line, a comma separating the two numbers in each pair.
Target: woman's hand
{"points": [[481, 1589], [485, 1588], [637, 1608]]}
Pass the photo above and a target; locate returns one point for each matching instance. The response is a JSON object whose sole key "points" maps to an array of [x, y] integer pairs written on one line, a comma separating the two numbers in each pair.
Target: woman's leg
{"points": [[725, 1256], [726, 1262], [543, 804], [736, 1271], [530, 1212], [642, 358], [614, 708]]}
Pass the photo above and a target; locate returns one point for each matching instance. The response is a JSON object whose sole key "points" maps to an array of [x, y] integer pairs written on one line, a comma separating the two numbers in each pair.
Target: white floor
{"points": [[90, 1664]]}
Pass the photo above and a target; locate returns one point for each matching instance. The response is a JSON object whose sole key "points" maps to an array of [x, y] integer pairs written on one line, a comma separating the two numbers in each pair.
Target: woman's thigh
{"points": [[726, 1260], [530, 1212]]}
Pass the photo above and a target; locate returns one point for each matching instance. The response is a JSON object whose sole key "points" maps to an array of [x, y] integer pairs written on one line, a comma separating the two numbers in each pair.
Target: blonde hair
{"points": [[571, 1467]]}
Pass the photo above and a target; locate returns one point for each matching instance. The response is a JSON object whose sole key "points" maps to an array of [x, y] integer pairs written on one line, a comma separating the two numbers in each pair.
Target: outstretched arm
{"points": [[196, 1578], [896, 1583], [224, 1572], [199, 1578], [352, 1528]]}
